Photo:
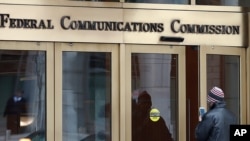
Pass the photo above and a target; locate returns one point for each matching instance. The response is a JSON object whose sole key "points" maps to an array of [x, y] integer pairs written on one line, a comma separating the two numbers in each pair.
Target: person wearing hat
{"points": [[215, 124]]}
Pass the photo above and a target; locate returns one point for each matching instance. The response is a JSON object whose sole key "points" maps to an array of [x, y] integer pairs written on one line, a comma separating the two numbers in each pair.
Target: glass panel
{"points": [[22, 97], [154, 97], [224, 71], [245, 3], [160, 1], [100, 0], [86, 96]]}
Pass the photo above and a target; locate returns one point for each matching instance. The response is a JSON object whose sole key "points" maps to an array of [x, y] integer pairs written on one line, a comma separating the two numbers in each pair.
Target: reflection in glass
{"points": [[160, 1], [86, 96], [22, 97], [224, 71], [245, 3], [100, 0], [154, 97]]}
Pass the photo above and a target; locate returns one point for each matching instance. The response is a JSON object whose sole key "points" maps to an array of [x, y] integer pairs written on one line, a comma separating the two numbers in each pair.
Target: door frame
{"points": [[86, 47], [48, 48], [219, 50], [126, 106]]}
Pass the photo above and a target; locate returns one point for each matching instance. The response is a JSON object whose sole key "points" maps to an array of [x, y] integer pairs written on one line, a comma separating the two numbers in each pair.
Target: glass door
{"points": [[224, 67], [155, 93], [26, 97], [87, 104]]}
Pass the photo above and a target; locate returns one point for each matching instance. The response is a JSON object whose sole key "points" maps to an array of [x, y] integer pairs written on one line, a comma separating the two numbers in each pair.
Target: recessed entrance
{"points": [[84, 91]]}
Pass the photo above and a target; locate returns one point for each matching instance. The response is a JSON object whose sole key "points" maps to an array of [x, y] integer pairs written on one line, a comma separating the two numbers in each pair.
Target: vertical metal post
{"points": [[7, 135]]}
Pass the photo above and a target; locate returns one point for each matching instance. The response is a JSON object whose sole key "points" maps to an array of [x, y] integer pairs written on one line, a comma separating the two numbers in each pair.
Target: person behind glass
{"points": [[16, 105], [215, 124], [144, 129]]}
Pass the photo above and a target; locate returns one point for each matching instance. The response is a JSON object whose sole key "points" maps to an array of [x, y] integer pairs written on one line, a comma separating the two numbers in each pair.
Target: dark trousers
{"points": [[13, 123]]}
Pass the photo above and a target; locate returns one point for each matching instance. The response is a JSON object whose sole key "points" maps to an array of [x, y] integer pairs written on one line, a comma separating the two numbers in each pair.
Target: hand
{"points": [[200, 118]]}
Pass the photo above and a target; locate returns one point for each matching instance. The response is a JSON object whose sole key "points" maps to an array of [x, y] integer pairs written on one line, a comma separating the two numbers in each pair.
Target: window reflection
{"points": [[22, 98], [208, 2], [100, 0], [154, 97], [86, 96], [224, 2], [160, 1]]}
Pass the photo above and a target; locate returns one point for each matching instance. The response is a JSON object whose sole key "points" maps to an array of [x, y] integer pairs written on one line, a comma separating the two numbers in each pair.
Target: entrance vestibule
{"points": [[76, 91]]}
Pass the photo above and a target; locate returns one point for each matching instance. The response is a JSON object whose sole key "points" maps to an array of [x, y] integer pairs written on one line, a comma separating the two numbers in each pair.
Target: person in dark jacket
{"points": [[16, 105], [144, 129], [215, 124]]}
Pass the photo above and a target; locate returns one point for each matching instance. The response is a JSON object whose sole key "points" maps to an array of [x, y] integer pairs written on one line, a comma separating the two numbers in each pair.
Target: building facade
{"points": [[81, 66]]}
